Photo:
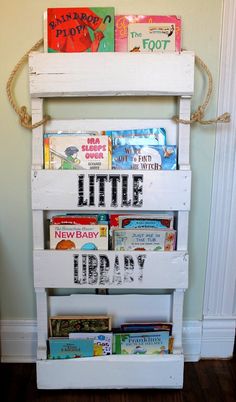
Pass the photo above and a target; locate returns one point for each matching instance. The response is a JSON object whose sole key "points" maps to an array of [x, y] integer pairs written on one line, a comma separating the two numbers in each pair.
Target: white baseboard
{"points": [[214, 340], [218, 336]]}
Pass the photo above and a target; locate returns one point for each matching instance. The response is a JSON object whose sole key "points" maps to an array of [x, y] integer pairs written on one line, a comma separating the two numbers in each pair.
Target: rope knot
{"points": [[25, 118], [198, 115]]}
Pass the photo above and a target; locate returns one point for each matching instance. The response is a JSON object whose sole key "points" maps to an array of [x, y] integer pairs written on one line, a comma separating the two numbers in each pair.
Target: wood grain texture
{"points": [[111, 74]]}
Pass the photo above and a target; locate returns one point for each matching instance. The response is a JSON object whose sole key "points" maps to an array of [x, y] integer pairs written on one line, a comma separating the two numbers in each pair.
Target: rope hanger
{"points": [[26, 119]]}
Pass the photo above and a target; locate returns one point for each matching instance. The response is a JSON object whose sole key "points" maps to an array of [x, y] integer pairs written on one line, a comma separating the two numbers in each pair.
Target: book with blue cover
{"points": [[65, 348], [144, 157]]}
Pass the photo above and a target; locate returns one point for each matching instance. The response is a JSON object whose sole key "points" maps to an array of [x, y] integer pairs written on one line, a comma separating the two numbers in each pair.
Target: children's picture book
{"points": [[144, 239], [79, 237], [143, 157], [156, 136], [76, 151], [74, 220], [151, 37], [80, 29], [102, 342], [146, 221], [143, 343], [122, 22], [62, 326], [65, 348], [147, 326]]}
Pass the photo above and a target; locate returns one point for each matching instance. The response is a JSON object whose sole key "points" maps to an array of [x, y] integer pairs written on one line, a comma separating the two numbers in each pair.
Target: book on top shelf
{"points": [[168, 23], [79, 29]]}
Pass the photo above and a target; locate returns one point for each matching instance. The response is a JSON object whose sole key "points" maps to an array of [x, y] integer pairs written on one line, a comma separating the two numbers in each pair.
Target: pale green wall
{"points": [[21, 26]]}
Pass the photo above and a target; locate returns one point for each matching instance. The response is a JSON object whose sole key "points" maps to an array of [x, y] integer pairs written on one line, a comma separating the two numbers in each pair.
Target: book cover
{"points": [[141, 343], [74, 220], [151, 37], [156, 136], [76, 151], [79, 237], [80, 29], [122, 22], [144, 157], [146, 221], [102, 342], [62, 326], [64, 348], [144, 239], [147, 327]]}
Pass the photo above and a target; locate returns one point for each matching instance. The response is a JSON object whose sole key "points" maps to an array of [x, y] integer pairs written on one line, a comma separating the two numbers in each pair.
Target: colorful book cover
{"points": [[144, 239], [143, 343], [155, 135], [122, 22], [79, 237], [64, 348], [146, 221], [102, 342], [76, 151], [79, 29], [62, 326], [74, 220], [144, 157], [151, 37]]}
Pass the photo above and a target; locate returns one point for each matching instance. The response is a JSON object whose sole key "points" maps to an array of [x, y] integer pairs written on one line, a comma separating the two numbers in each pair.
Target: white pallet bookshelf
{"points": [[139, 296]]}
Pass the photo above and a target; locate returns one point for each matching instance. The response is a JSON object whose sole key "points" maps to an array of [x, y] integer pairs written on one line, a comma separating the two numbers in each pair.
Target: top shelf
{"points": [[111, 74]]}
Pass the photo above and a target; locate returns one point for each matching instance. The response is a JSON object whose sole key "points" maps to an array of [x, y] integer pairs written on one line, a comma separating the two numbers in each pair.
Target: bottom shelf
{"points": [[114, 372]]}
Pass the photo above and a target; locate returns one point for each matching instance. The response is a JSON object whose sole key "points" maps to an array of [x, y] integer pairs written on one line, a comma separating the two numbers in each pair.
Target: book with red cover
{"points": [[80, 29], [74, 220]]}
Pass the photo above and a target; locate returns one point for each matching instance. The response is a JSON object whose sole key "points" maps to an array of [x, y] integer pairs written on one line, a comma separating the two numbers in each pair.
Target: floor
{"points": [[207, 380]]}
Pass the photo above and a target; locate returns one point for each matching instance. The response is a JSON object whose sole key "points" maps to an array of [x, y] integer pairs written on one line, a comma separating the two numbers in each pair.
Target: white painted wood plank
{"points": [[156, 190], [38, 229], [177, 318], [42, 321], [82, 74], [37, 133], [110, 269], [112, 372], [114, 124], [184, 133], [182, 230], [138, 306]]}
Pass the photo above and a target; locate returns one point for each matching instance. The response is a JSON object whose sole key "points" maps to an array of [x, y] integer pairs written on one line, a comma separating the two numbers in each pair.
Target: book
{"points": [[144, 157], [102, 341], [79, 237], [74, 220], [65, 348], [62, 326], [147, 327], [151, 37], [141, 343], [144, 239], [156, 136], [146, 221], [122, 22], [80, 29], [76, 151]]}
